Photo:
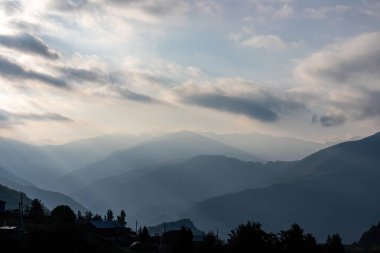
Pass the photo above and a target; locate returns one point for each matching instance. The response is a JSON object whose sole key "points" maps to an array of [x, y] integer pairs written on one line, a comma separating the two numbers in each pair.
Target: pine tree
{"points": [[36, 208], [121, 218], [334, 244], [88, 216], [109, 216]]}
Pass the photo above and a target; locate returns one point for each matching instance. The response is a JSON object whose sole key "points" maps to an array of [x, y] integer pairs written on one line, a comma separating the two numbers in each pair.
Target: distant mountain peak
{"points": [[218, 158], [184, 134], [175, 225]]}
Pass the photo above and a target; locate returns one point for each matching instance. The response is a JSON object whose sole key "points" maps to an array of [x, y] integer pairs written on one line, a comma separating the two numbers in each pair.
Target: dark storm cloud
{"points": [[343, 71], [113, 80], [365, 106], [14, 71], [125, 93], [266, 108], [355, 62], [92, 75], [332, 120], [29, 44], [80, 74], [8, 118]]}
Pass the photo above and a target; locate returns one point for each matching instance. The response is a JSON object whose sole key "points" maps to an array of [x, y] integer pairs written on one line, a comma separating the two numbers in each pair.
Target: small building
{"points": [[2, 206], [109, 228], [105, 224]]}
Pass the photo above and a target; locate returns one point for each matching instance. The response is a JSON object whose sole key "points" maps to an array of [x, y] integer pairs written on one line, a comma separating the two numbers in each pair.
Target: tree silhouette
{"points": [[88, 216], [250, 237], [210, 244], [179, 241], [144, 235], [294, 240], [109, 216], [334, 244], [80, 217], [64, 214], [121, 218], [97, 217], [36, 208]]}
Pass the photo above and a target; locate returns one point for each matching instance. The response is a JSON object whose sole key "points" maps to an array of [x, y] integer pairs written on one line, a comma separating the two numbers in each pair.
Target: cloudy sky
{"points": [[76, 68]]}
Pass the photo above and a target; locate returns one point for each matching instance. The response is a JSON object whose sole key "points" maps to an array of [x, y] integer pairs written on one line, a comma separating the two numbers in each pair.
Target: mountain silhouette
{"points": [[170, 148], [174, 225], [43, 166], [270, 148], [8, 178], [27, 162], [51, 199], [333, 190], [12, 197], [371, 237], [160, 191], [80, 153]]}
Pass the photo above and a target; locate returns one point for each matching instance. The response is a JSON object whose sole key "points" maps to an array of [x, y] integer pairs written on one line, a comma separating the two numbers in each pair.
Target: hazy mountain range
{"points": [[78, 154], [333, 190], [50, 198], [42, 165], [166, 149], [218, 181], [178, 185], [270, 148]]}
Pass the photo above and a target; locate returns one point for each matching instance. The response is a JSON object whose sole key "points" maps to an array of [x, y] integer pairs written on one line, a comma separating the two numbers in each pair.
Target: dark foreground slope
{"points": [[51, 199], [334, 190], [12, 197]]}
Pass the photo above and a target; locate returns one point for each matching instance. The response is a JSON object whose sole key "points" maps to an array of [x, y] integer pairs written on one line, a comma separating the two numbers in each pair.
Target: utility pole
{"points": [[162, 247], [21, 205]]}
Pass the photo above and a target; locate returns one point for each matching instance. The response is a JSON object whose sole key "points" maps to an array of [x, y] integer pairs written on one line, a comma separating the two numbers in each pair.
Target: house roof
{"points": [[105, 224]]}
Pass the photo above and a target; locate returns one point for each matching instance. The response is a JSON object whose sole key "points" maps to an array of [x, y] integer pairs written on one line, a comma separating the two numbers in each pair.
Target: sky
{"points": [[77, 68]]}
